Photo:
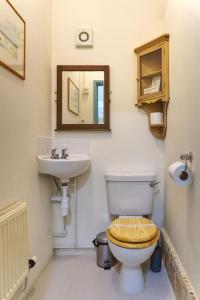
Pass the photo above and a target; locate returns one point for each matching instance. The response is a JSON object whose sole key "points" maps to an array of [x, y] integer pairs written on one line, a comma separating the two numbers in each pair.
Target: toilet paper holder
{"points": [[187, 157]]}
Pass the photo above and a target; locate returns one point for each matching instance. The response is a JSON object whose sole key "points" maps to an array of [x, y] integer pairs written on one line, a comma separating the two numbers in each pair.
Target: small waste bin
{"points": [[105, 259]]}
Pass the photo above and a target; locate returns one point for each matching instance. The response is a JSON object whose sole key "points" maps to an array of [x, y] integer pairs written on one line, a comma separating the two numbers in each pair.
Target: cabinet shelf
{"points": [[152, 91], [152, 74], [157, 126], [154, 97]]}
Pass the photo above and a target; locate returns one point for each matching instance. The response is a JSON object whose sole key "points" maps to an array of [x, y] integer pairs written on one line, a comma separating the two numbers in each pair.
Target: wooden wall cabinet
{"points": [[153, 81]]}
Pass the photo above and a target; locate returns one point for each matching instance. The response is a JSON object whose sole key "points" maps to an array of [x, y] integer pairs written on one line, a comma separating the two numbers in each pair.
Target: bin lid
{"points": [[101, 238]]}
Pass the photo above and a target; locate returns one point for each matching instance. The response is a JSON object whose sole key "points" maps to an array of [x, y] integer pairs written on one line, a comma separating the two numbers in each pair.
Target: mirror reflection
{"points": [[83, 97]]}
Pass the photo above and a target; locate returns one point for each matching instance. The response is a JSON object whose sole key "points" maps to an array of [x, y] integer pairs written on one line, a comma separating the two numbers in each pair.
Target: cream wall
{"points": [[24, 114], [182, 209], [118, 27]]}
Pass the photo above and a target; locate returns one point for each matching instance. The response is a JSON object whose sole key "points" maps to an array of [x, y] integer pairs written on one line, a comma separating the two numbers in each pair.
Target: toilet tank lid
{"points": [[129, 176]]}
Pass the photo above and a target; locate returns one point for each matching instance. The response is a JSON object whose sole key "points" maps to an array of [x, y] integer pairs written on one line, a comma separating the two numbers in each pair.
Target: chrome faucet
{"points": [[64, 154], [54, 155]]}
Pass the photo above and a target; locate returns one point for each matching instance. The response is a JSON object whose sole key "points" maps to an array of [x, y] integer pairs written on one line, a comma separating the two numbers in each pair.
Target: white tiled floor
{"points": [[78, 278]]}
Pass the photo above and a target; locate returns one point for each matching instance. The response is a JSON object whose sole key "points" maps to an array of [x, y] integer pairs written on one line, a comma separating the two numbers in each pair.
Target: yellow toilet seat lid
{"points": [[133, 230], [132, 245]]}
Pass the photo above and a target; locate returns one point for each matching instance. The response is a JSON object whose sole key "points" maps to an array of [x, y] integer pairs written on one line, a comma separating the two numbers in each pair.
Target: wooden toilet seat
{"points": [[136, 232]]}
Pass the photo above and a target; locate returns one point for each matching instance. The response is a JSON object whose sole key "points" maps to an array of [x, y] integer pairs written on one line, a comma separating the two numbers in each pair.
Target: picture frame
{"points": [[12, 39], [73, 97]]}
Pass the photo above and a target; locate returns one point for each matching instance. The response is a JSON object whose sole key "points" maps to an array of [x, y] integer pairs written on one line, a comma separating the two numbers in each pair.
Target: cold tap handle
{"points": [[64, 153]]}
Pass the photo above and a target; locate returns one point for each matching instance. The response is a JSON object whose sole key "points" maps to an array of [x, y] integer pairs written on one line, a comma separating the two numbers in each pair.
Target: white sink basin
{"points": [[74, 165]]}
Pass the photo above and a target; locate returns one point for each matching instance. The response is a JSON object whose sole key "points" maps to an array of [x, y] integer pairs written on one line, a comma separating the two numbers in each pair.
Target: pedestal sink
{"points": [[74, 165]]}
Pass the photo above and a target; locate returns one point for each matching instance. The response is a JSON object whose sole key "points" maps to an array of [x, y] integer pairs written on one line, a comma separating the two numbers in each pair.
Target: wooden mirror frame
{"points": [[79, 68]]}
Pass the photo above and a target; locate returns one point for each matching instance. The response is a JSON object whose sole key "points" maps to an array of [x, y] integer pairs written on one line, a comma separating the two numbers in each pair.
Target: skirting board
{"points": [[73, 251], [177, 275]]}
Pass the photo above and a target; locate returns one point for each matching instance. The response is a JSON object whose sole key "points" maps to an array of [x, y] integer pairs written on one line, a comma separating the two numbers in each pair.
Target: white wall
{"points": [[182, 21], [118, 26], [24, 114]]}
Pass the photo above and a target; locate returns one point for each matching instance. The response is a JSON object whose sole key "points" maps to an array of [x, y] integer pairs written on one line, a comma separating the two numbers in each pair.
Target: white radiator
{"points": [[13, 249]]}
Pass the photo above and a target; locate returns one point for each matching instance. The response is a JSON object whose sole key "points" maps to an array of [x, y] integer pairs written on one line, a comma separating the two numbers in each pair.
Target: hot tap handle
{"points": [[54, 155]]}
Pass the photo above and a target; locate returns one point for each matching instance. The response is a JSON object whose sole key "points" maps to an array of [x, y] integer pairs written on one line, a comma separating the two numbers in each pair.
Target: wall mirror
{"points": [[83, 97]]}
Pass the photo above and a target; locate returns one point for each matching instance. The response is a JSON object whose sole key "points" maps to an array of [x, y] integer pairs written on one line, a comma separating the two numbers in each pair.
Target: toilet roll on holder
{"points": [[187, 157]]}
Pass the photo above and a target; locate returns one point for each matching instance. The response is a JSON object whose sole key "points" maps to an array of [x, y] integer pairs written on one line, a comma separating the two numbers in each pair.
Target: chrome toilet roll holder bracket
{"points": [[187, 157]]}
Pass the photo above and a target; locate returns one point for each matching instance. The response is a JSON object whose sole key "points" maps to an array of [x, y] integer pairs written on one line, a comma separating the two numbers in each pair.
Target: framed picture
{"points": [[12, 39], [73, 97]]}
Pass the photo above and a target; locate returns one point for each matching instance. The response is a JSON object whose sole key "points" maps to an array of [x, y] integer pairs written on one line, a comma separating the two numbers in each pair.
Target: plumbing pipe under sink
{"points": [[63, 197], [64, 200]]}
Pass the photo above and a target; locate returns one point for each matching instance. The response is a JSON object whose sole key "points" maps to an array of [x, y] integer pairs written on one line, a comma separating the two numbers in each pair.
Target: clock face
{"points": [[84, 37]]}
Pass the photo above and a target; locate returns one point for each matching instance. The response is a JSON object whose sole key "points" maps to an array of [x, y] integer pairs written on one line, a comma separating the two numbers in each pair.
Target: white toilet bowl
{"points": [[131, 274], [132, 241]]}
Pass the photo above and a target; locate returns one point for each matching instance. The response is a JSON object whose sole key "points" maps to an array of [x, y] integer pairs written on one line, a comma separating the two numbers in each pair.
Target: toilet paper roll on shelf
{"points": [[156, 119], [181, 174]]}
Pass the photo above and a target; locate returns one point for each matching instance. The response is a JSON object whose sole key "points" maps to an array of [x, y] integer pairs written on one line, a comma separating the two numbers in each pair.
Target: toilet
{"points": [[132, 237]]}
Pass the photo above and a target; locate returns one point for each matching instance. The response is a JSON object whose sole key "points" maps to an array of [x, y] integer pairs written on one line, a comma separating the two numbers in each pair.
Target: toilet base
{"points": [[132, 280]]}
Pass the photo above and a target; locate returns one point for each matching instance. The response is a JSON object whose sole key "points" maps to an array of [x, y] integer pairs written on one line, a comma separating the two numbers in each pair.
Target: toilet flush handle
{"points": [[152, 184]]}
